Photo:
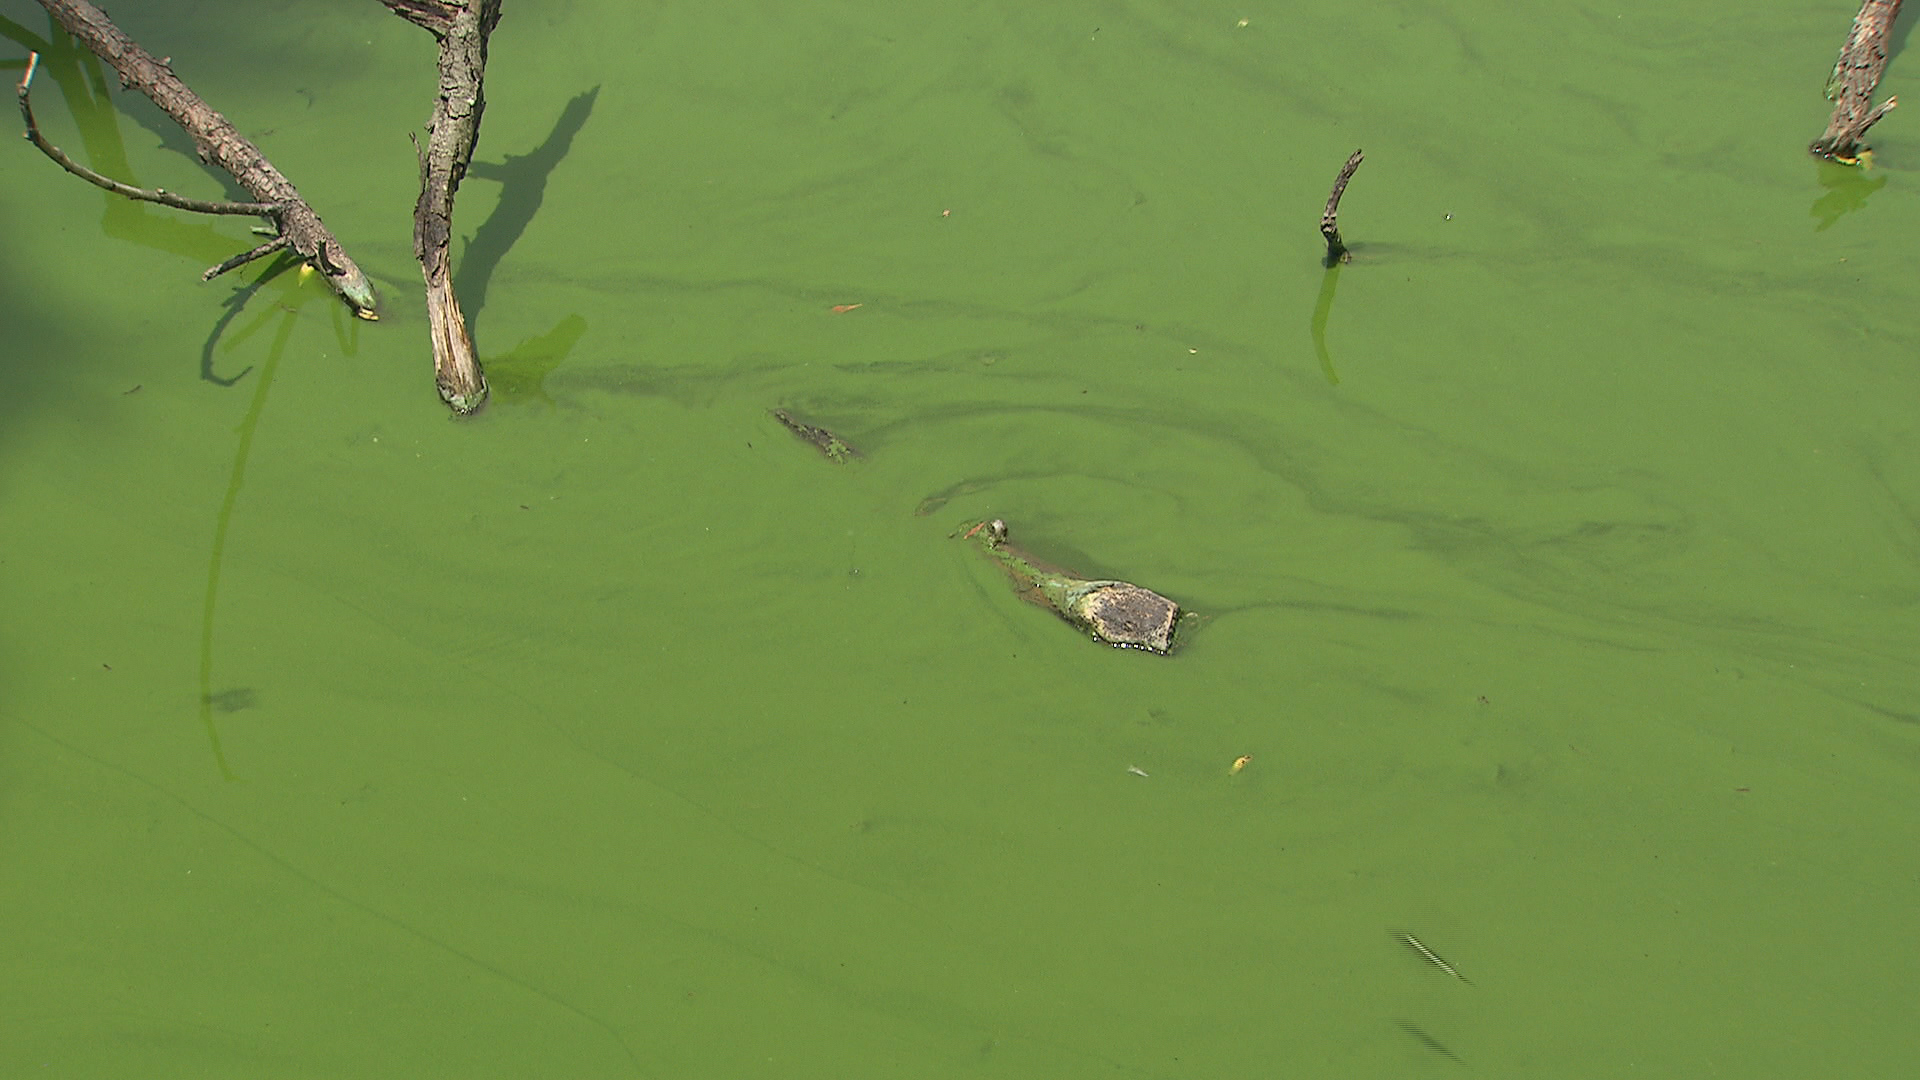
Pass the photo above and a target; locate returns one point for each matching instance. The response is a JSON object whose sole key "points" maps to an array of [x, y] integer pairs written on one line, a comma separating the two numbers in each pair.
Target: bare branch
{"points": [[157, 195], [1330, 217], [1862, 61], [451, 137], [220, 143], [245, 257]]}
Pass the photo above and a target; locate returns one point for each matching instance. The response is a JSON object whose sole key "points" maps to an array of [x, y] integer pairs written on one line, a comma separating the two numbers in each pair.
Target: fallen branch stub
{"points": [[218, 143], [461, 27], [1855, 74], [1330, 217]]}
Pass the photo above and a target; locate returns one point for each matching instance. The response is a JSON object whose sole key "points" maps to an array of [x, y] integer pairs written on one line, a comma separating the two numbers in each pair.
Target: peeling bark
{"points": [[1862, 60], [1330, 217], [218, 143], [462, 28]]}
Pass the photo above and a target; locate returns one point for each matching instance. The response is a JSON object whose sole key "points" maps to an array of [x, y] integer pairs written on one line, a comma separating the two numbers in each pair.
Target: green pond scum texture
{"points": [[1556, 563]]}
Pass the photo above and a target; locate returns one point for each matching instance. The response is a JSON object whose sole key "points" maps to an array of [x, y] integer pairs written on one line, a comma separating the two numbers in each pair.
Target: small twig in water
{"points": [[1329, 218], [157, 195], [1420, 949], [244, 258]]}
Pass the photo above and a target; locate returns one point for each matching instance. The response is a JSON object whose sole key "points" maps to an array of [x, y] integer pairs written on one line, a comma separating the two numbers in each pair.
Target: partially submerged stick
{"points": [[462, 28], [1330, 217], [295, 224], [1862, 61], [1116, 612]]}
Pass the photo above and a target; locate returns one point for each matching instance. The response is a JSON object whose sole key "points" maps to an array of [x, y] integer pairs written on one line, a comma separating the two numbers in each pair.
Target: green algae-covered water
{"points": [[1558, 560]]}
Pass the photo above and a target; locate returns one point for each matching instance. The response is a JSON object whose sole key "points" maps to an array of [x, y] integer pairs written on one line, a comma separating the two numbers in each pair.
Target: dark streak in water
{"points": [[1427, 1040]]}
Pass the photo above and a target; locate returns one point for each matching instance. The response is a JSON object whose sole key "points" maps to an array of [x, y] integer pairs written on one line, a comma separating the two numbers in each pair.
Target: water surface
{"points": [[1558, 559]]}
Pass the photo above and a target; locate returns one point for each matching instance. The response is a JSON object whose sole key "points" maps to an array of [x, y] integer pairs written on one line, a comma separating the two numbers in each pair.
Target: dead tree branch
{"points": [[462, 28], [276, 244], [1862, 60], [218, 143], [1330, 217], [157, 195]]}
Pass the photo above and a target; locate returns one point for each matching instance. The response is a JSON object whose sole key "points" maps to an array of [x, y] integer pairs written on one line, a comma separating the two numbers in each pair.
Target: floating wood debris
{"points": [[1115, 612], [1420, 949], [835, 448]]}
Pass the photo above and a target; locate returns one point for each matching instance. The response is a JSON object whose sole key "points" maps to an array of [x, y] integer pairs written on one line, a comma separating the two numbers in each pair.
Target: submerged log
{"points": [[296, 226], [462, 28], [1862, 61]]}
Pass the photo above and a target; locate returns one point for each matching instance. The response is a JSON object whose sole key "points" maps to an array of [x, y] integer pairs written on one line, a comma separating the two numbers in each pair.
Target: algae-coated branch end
{"points": [[1863, 59], [1116, 612], [833, 447], [357, 291]]}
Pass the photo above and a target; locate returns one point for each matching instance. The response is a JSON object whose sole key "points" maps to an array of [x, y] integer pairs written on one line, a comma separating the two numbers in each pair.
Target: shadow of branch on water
{"points": [[523, 186]]}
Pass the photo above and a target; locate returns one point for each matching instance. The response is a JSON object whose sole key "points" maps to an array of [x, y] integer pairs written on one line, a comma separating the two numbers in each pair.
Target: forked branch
{"points": [[217, 142]]}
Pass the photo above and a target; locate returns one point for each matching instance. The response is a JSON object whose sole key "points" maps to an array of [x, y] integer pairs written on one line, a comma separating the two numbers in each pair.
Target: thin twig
{"points": [[1329, 218], [244, 258], [157, 195]]}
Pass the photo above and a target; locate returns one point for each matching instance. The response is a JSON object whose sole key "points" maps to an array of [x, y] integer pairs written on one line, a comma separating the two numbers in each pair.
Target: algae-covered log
{"points": [[836, 449], [1116, 612]]}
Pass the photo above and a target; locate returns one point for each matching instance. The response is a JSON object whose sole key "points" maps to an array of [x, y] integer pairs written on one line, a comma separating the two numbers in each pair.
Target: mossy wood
{"points": [[1116, 612], [835, 448]]}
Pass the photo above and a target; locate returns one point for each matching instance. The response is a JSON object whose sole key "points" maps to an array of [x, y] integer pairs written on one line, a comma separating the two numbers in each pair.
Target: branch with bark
{"points": [[296, 226], [1862, 60], [1330, 217], [462, 28]]}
